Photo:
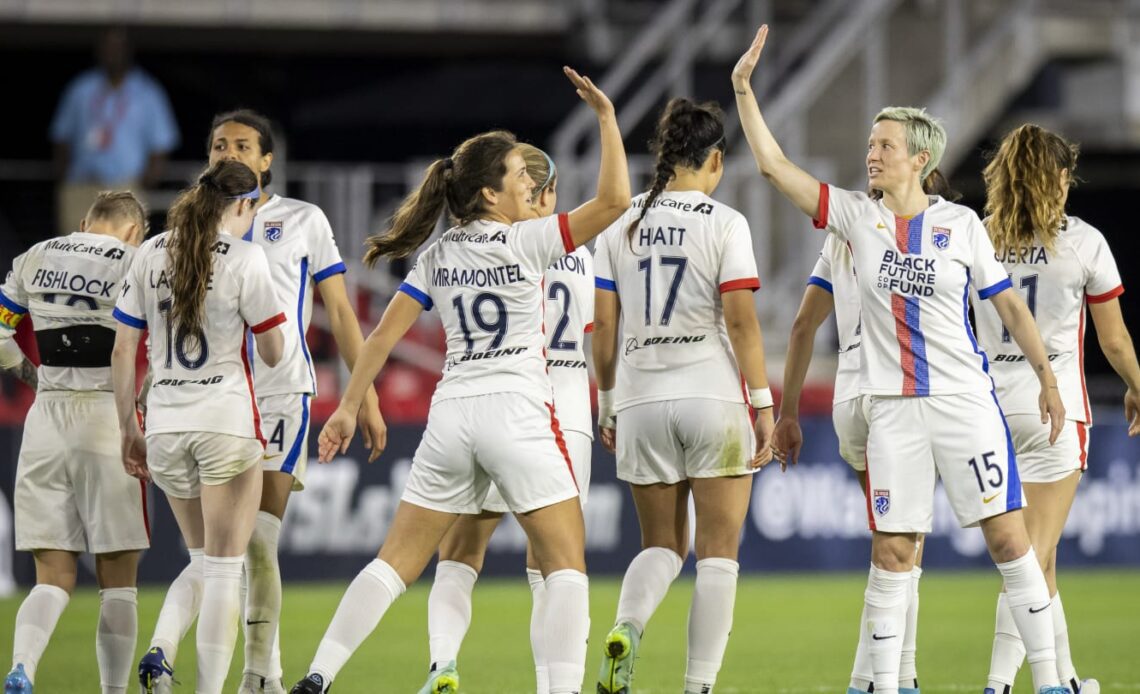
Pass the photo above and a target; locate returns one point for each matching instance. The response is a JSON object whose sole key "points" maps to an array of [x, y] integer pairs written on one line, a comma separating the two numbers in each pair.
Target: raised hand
{"points": [[742, 73], [595, 98]]}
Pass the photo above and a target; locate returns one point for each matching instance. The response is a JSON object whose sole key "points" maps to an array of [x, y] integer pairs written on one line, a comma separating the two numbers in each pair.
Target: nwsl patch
{"points": [[882, 500], [941, 237], [273, 231]]}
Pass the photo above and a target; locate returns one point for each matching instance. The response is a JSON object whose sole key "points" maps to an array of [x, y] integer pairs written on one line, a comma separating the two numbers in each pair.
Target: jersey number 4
{"points": [[646, 265]]}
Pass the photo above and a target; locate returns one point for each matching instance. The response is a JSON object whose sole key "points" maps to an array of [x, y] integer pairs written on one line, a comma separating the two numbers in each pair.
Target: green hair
{"points": [[923, 133]]}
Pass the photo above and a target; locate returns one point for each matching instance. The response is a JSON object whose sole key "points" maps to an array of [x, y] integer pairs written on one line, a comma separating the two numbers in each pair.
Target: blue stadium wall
{"points": [[811, 518]]}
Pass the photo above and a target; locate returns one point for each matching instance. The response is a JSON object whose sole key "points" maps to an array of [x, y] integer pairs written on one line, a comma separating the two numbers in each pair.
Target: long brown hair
{"points": [[194, 220], [457, 182], [687, 133], [1024, 190]]}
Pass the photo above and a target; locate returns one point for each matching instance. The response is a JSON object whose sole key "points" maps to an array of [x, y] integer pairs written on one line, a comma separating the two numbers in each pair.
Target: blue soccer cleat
{"points": [[17, 681], [1055, 690], [156, 676]]}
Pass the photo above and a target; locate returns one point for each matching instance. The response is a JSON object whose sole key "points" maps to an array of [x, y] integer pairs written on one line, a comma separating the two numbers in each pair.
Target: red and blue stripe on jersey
{"points": [[907, 313]]}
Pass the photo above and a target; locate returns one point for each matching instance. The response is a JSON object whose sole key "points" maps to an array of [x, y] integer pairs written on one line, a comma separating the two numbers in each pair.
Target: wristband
{"points": [[607, 418], [761, 398]]}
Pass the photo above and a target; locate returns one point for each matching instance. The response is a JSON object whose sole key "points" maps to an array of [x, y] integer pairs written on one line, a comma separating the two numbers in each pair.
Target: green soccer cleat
{"points": [[445, 681], [616, 676]]}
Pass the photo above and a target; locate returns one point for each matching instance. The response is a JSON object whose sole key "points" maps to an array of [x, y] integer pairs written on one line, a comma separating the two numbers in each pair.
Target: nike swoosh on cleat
{"points": [[988, 499], [1039, 609], [881, 638]]}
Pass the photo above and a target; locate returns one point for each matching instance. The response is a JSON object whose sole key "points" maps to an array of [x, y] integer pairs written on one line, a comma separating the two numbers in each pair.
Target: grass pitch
{"points": [[792, 633]]}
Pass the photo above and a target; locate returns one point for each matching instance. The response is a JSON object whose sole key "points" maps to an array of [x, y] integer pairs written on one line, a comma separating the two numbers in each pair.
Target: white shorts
{"points": [[508, 438], [850, 420], [669, 441], [914, 440], [71, 490], [181, 462], [580, 447], [285, 425], [1039, 462]]}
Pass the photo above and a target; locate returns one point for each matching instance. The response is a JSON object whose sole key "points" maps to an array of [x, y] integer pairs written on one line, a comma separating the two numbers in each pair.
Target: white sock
{"points": [[862, 674], [1008, 653], [908, 668], [35, 621], [537, 623], [218, 622], [886, 599], [263, 596], [449, 610], [179, 608], [368, 597], [1028, 598], [1065, 668], [116, 637], [645, 584], [710, 621], [567, 628]]}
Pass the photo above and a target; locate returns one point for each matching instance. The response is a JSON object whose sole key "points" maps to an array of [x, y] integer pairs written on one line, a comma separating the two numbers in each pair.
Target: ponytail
{"points": [[936, 183], [194, 220], [416, 217]]}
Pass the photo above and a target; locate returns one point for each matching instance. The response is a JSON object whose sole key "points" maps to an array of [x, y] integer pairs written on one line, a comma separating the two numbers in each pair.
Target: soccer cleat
{"points": [[17, 681], [616, 676], [312, 684], [1085, 687], [256, 684], [155, 674], [445, 681]]}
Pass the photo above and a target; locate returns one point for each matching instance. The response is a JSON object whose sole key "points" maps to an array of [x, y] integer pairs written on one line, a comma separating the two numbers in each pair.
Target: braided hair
{"points": [[687, 133]]}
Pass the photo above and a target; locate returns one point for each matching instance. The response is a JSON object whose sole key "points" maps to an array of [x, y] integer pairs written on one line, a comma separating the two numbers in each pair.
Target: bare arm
{"points": [[123, 357], [270, 345], [796, 184], [14, 362], [607, 311], [1116, 343], [748, 345], [613, 196], [815, 307], [1019, 322]]}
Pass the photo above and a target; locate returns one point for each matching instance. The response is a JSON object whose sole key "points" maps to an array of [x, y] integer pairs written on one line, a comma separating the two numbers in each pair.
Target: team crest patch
{"points": [[273, 230], [882, 498], [941, 237]]}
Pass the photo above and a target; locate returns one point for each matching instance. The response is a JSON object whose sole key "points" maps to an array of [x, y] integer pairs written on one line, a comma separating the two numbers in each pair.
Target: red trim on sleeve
{"points": [[824, 196], [589, 328], [564, 229], [267, 324], [752, 283], [1107, 296]]}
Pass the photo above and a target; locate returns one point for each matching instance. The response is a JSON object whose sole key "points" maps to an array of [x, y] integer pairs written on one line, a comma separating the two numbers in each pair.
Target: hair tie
{"points": [[448, 164], [207, 179]]}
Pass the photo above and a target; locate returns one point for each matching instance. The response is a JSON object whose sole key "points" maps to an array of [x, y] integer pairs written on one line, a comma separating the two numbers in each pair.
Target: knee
{"points": [[723, 546], [895, 555]]}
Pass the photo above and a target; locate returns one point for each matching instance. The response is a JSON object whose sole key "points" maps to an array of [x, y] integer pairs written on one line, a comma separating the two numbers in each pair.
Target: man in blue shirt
{"points": [[113, 129]]}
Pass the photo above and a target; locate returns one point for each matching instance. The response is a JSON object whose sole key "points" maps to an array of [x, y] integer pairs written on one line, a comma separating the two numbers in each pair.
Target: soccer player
{"points": [[1062, 264], [492, 417], [71, 493], [569, 314], [678, 272], [197, 288], [932, 410], [302, 253], [832, 285]]}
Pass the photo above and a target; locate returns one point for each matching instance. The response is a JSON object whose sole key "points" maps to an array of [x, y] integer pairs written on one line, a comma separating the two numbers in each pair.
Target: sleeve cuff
{"points": [[335, 269], [603, 283], [12, 305], [1091, 298], [995, 288], [267, 324], [564, 229], [589, 328], [824, 196], [821, 283], [423, 299], [128, 319], [752, 283]]}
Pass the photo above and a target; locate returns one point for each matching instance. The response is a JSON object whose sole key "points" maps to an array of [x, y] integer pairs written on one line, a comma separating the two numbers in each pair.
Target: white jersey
{"points": [[202, 384], [914, 277], [835, 273], [1057, 284], [299, 245], [687, 251], [69, 286], [569, 288], [486, 278]]}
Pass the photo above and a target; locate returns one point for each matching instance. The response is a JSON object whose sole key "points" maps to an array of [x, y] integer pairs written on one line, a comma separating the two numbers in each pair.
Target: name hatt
{"points": [[907, 275], [476, 277], [665, 236], [76, 284]]}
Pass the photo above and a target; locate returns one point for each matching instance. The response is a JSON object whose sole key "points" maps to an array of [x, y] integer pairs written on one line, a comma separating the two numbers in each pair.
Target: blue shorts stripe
{"points": [[302, 438], [1013, 479]]}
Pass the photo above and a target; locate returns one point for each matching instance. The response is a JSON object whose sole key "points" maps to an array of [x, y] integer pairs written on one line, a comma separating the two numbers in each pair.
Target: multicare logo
{"points": [[273, 231], [882, 501], [941, 237]]}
